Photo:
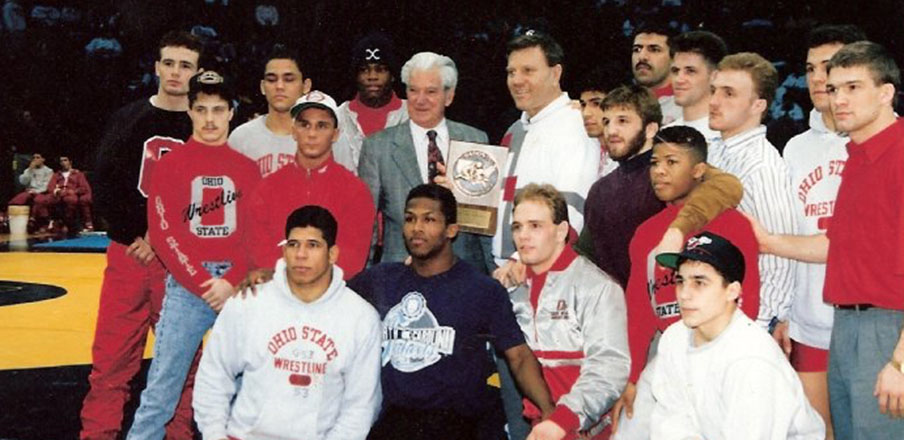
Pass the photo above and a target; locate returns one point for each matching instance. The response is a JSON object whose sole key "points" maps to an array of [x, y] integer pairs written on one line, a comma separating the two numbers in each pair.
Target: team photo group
{"points": [[633, 260]]}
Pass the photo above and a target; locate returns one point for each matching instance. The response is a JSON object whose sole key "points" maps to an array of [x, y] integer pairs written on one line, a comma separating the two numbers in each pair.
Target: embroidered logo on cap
{"points": [[316, 96], [698, 241], [372, 54], [210, 77]]}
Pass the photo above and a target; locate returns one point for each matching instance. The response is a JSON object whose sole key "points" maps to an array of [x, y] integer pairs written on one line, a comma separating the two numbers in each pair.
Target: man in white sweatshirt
{"points": [[719, 375], [308, 348]]}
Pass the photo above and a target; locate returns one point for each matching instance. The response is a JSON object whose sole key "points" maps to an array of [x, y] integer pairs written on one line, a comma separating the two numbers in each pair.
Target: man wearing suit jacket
{"points": [[395, 160]]}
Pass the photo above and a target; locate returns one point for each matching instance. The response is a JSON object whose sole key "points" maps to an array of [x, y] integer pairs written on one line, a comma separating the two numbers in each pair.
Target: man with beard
{"points": [[650, 62], [623, 199], [267, 139], [438, 314], [375, 106]]}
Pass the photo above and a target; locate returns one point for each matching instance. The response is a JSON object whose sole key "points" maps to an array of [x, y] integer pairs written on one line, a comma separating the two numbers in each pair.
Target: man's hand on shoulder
{"points": [[254, 277], [511, 274]]}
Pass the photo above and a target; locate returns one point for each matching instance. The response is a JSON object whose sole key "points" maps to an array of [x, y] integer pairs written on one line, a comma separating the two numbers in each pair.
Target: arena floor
{"points": [[48, 308]]}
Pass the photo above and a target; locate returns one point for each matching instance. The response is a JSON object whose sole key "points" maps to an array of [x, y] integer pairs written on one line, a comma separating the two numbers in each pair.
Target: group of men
{"points": [[620, 240], [56, 199]]}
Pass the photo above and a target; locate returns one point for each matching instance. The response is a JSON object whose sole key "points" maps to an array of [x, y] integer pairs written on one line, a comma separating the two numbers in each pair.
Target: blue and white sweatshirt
{"points": [[310, 370]]}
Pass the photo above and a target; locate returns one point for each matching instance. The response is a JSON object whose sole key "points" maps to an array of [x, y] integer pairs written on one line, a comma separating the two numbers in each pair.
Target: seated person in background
{"points": [[71, 189], [719, 375], [36, 179]]}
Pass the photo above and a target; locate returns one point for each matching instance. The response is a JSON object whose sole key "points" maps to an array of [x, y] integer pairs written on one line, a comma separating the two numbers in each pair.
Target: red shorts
{"points": [[807, 359]]}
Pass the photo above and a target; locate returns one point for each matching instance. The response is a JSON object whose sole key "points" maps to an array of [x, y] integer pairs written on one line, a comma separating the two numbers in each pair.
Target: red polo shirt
{"points": [[866, 255]]}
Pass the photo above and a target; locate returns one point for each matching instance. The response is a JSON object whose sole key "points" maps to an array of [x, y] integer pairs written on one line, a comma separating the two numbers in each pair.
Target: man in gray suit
{"points": [[395, 160]]}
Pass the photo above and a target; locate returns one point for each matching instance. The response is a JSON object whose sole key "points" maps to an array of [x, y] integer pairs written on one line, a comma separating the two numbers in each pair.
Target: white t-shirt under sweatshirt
{"points": [[310, 370], [738, 386]]}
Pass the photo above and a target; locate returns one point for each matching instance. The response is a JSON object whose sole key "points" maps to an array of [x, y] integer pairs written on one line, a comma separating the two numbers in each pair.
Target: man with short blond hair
{"points": [[583, 347], [742, 89]]}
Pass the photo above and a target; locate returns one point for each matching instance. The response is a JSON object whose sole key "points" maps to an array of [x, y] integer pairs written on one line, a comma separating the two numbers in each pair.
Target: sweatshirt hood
{"points": [[281, 282]]}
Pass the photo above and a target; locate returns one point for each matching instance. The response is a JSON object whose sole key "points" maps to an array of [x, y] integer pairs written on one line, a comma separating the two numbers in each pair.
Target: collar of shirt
{"points": [[419, 136], [877, 145], [665, 90], [562, 101], [744, 137]]}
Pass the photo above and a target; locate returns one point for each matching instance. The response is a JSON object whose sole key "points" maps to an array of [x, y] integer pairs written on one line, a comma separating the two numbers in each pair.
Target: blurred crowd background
{"points": [[66, 65]]}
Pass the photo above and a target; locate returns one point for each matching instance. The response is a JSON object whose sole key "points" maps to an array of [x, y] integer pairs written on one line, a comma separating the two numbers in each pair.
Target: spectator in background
{"points": [[36, 179], [375, 107], [267, 139], [71, 189]]}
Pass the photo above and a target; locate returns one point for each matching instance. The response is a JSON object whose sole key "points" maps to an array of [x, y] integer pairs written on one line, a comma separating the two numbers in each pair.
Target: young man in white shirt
{"points": [[695, 56], [815, 159], [718, 374]]}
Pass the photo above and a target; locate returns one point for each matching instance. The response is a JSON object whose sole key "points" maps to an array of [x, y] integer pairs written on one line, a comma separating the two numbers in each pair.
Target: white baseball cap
{"points": [[316, 98]]}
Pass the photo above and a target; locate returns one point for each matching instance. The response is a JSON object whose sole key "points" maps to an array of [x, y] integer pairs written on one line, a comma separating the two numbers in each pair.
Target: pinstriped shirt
{"points": [[767, 197]]}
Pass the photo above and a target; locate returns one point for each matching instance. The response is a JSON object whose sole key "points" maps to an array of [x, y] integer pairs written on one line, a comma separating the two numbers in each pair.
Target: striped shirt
{"points": [[767, 197]]}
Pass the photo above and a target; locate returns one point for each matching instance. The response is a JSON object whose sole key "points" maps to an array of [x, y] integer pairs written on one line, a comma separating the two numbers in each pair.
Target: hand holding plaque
{"points": [[475, 173]]}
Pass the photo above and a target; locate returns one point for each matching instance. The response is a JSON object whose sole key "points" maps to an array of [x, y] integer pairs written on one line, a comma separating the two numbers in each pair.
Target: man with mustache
{"points": [[375, 106], [267, 139], [650, 63]]}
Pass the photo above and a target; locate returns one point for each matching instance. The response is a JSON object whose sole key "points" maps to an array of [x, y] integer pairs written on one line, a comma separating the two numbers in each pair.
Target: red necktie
{"points": [[433, 156]]}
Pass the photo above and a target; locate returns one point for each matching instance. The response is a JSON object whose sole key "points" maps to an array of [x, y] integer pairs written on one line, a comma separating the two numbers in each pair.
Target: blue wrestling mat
{"points": [[85, 243]]}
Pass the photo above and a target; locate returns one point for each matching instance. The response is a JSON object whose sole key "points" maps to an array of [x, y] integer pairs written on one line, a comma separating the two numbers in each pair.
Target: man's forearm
{"points": [[528, 376], [806, 248]]}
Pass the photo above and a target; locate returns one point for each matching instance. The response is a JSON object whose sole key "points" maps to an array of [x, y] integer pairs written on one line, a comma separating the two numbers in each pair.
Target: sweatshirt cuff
{"points": [[565, 418]]}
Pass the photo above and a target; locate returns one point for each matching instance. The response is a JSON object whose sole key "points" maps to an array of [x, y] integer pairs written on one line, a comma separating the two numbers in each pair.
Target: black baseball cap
{"points": [[712, 249], [375, 47]]}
